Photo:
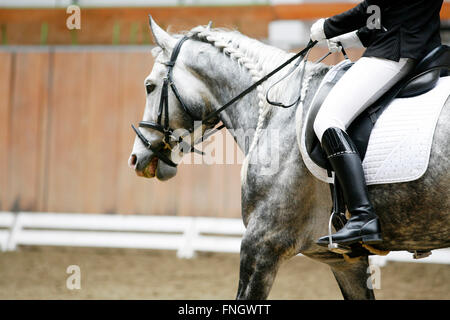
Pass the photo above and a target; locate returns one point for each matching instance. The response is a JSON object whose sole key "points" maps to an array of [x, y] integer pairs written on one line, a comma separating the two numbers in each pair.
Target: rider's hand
{"points": [[317, 31], [347, 40]]}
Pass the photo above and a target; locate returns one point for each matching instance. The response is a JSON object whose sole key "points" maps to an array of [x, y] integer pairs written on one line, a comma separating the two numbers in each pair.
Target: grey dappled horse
{"points": [[287, 210]]}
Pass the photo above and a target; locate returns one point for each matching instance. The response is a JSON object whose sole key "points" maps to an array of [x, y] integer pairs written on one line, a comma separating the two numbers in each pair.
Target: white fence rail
{"points": [[184, 234]]}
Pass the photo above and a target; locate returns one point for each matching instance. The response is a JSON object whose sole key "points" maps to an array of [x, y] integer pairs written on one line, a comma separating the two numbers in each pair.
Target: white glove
{"points": [[317, 31], [347, 40]]}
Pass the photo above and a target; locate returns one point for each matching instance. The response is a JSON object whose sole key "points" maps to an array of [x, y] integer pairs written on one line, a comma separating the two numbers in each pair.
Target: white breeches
{"points": [[366, 81]]}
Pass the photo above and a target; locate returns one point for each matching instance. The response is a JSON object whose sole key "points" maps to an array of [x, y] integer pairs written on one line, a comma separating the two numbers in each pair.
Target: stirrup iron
{"points": [[333, 246]]}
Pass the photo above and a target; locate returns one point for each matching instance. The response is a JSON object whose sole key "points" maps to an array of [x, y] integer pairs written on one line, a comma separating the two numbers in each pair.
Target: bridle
{"points": [[162, 125]]}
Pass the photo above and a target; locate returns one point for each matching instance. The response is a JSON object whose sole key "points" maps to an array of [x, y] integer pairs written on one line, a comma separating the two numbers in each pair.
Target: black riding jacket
{"points": [[409, 28]]}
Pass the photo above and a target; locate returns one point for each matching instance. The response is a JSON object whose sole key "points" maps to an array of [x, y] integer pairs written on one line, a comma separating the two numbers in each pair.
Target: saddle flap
{"points": [[422, 79], [313, 146]]}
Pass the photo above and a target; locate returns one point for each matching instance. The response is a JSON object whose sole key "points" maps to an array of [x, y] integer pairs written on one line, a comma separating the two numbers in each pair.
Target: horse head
{"points": [[170, 110]]}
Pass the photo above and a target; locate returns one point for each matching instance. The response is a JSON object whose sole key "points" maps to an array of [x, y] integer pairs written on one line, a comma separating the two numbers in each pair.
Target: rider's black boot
{"points": [[363, 226]]}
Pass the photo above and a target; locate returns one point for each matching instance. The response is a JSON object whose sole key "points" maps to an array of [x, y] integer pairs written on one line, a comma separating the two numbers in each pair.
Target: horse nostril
{"points": [[132, 162]]}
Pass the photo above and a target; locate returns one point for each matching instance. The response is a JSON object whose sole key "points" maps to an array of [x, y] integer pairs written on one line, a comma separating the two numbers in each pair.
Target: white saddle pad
{"points": [[400, 143]]}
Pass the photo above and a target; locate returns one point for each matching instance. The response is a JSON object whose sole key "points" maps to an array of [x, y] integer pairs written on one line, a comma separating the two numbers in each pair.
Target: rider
{"points": [[406, 31]]}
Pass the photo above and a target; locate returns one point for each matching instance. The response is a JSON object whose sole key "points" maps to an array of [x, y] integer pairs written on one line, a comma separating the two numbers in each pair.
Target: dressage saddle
{"points": [[422, 79]]}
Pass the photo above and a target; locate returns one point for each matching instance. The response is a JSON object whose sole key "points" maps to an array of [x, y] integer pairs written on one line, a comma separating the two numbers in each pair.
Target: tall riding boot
{"points": [[363, 226]]}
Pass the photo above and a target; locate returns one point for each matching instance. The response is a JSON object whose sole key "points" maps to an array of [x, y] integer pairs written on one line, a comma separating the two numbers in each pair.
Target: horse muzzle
{"points": [[150, 167]]}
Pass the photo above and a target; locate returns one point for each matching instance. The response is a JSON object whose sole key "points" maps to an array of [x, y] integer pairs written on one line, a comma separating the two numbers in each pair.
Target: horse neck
{"points": [[242, 115], [228, 74], [225, 78], [246, 113]]}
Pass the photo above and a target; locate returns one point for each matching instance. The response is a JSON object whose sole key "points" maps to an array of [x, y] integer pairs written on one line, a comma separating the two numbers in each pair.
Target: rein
{"points": [[162, 125]]}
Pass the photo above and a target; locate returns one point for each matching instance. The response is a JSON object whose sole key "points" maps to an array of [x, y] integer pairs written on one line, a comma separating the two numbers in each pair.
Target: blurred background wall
{"points": [[68, 98]]}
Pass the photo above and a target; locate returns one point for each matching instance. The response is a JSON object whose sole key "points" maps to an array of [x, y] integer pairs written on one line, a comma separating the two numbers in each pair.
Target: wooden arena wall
{"points": [[130, 25]]}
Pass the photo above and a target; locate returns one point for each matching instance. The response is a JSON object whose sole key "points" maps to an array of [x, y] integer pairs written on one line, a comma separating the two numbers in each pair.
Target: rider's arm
{"points": [[353, 19]]}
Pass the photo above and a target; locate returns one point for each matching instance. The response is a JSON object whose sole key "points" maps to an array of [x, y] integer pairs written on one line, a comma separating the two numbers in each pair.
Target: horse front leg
{"points": [[258, 268], [353, 279], [262, 250]]}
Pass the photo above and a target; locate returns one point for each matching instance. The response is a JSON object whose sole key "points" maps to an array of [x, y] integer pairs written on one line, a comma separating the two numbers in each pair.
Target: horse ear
{"points": [[161, 37]]}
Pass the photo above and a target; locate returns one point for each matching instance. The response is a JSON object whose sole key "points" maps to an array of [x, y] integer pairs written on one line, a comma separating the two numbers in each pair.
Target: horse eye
{"points": [[150, 87]]}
